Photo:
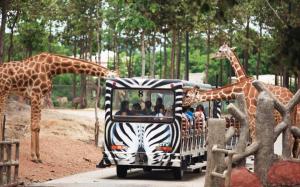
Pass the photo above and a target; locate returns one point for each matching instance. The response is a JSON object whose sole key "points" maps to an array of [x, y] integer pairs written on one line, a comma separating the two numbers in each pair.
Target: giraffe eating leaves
{"points": [[32, 79]]}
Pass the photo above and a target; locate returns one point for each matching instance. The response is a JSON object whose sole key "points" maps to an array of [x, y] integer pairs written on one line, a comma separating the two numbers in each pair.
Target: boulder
{"points": [[284, 173], [242, 177]]}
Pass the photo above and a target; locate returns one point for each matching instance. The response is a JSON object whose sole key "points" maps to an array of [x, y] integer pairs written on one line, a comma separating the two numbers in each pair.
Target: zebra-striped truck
{"points": [[145, 127]]}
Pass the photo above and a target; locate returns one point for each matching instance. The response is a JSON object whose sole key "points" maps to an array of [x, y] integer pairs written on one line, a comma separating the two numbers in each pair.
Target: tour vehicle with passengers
{"points": [[147, 127]]}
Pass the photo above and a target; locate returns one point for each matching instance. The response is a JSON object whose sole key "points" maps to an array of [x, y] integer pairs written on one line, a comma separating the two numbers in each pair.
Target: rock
{"points": [[86, 159], [242, 177], [284, 173]]}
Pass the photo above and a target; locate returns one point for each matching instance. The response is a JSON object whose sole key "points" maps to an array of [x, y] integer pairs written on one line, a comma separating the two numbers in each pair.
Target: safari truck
{"points": [[145, 127]]}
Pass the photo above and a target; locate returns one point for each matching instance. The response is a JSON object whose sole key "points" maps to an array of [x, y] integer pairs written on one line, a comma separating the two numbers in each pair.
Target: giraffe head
{"points": [[113, 74], [189, 96], [223, 50]]}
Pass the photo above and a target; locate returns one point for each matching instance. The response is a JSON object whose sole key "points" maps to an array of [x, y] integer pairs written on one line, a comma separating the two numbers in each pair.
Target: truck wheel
{"points": [[121, 171], [198, 170], [178, 173], [147, 169]]}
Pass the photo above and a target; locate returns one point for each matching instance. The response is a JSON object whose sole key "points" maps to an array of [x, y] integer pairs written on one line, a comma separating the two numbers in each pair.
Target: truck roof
{"points": [[186, 84]]}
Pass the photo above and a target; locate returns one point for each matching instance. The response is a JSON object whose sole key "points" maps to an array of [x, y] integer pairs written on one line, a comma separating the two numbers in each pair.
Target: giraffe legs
{"points": [[35, 127]]}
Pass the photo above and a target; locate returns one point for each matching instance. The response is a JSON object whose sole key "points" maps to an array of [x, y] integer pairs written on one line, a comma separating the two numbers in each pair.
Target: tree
{"points": [[32, 36], [4, 5]]}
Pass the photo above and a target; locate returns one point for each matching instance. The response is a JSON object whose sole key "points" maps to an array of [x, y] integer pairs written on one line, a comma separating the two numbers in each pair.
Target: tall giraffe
{"points": [[244, 85], [32, 79], [226, 52]]}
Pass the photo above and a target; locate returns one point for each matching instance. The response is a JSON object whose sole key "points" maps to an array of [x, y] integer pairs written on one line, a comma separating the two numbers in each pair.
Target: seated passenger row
{"points": [[190, 115], [158, 109]]}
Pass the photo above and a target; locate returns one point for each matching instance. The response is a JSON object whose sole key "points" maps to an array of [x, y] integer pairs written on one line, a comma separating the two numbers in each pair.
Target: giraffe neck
{"points": [[236, 65], [223, 93], [57, 64]]}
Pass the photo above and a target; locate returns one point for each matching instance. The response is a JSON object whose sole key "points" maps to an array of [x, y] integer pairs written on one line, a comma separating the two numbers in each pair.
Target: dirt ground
{"points": [[66, 141]]}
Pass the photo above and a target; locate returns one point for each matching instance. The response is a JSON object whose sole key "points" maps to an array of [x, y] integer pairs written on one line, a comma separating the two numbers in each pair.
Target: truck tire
{"points": [[178, 173], [121, 171], [147, 169]]}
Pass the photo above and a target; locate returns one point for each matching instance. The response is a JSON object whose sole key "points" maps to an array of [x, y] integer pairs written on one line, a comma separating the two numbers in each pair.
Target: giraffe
{"points": [[229, 92], [226, 52], [243, 85], [32, 78]]}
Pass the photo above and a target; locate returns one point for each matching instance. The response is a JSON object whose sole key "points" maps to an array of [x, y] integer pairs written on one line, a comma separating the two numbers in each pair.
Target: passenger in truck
{"points": [[124, 109], [159, 107], [136, 109], [148, 108]]}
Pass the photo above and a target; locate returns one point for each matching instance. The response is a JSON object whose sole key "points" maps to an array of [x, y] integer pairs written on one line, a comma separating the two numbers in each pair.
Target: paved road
{"points": [[135, 178]]}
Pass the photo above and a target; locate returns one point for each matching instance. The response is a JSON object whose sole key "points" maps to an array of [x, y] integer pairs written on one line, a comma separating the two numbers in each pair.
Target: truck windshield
{"points": [[143, 105]]}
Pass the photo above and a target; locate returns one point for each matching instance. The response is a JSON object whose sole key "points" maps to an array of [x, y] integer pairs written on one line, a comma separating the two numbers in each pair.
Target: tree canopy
{"points": [[159, 38]]}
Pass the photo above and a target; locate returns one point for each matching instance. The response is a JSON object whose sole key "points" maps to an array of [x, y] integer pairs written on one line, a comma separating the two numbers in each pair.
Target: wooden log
{"points": [[2, 129], [9, 163], [215, 127], [1, 167], [9, 142], [265, 123], [9, 166], [240, 113], [16, 173]]}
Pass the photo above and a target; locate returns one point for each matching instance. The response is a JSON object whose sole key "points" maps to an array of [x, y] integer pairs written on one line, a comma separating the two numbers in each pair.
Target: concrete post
{"points": [[265, 136], [216, 136]]}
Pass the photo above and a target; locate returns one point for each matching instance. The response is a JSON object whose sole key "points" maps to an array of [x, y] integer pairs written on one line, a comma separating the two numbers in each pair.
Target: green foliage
{"points": [[76, 27], [32, 35]]}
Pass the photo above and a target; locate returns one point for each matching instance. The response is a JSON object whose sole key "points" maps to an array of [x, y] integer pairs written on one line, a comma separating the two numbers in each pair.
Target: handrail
{"points": [[227, 172]]}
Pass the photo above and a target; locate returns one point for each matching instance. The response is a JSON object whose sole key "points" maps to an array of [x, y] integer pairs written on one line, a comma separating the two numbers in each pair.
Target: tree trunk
{"points": [[221, 73], [259, 49], [50, 38], [178, 55], [173, 54], [161, 63], [276, 79], [117, 68], [114, 48], [83, 91], [4, 6], [30, 51], [246, 51], [83, 100], [208, 52], [165, 56], [230, 72], [11, 36], [148, 62], [285, 78], [143, 53], [98, 90], [153, 57], [298, 79], [187, 60], [130, 63], [281, 79], [126, 60], [74, 83]]}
